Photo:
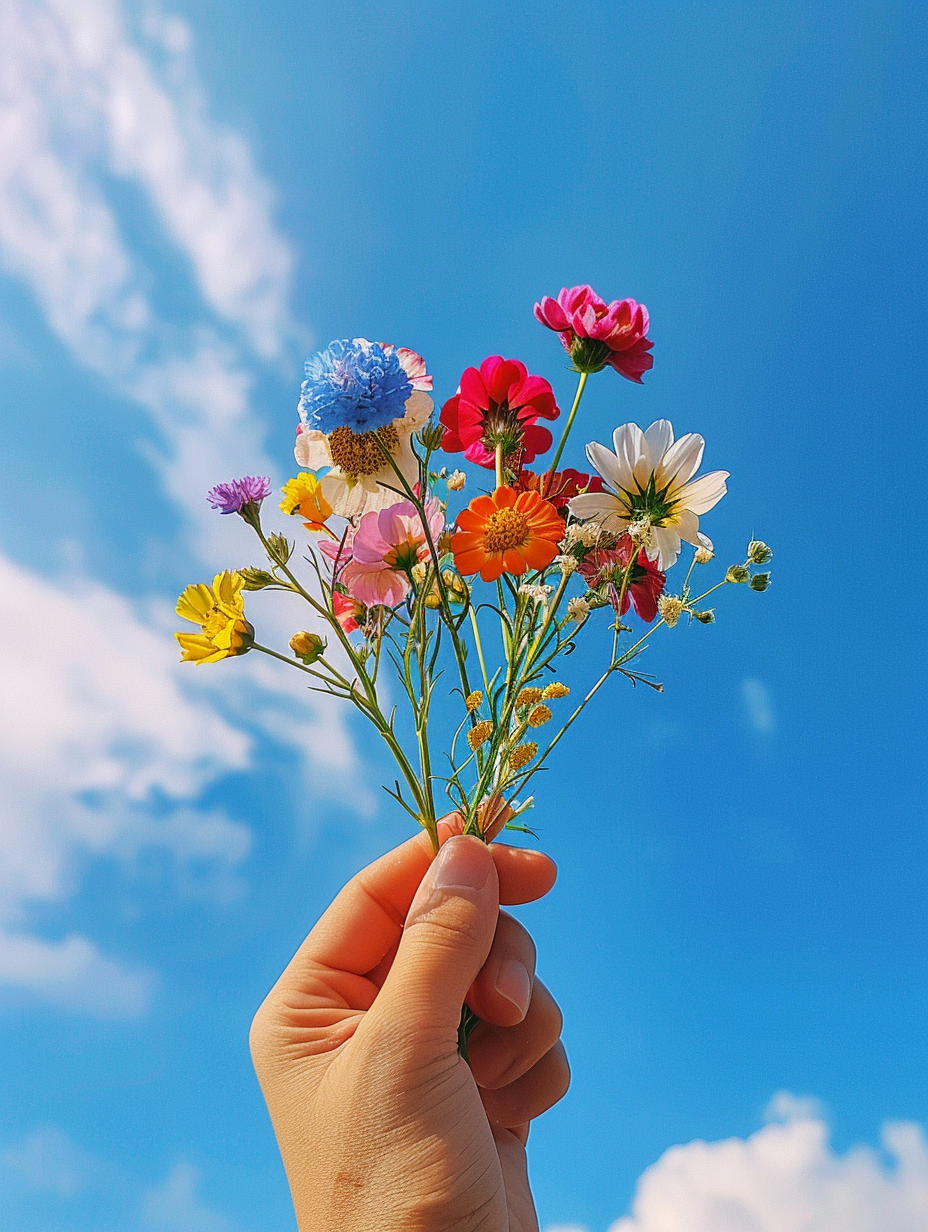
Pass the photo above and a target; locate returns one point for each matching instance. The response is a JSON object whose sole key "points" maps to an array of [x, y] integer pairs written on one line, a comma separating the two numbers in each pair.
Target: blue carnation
{"points": [[353, 384]]}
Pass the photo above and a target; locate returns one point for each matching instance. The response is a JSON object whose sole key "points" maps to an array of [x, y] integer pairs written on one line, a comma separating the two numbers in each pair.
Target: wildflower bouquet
{"points": [[473, 606]]}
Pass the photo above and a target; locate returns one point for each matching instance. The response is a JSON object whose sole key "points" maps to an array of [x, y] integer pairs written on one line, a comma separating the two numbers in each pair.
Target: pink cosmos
{"points": [[583, 320], [386, 546]]}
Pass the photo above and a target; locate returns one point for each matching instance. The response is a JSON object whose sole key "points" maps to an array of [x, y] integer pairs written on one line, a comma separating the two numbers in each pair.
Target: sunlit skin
{"points": [[380, 1122]]}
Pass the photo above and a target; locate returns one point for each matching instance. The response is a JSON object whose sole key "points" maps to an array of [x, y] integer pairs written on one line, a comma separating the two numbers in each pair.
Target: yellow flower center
{"points": [[215, 622], [505, 529], [359, 453]]}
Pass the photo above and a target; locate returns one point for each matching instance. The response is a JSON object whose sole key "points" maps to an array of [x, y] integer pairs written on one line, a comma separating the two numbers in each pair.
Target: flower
{"points": [[759, 553], [348, 612], [555, 688], [303, 495], [596, 333], [577, 610], [479, 734], [650, 476], [354, 384], [219, 610], [702, 556], [474, 700], [386, 546], [456, 481], [506, 532], [559, 487], [529, 696], [538, 715], [497, 405], [604, 569], [360, 477], [670, 608], [522, 754], [230, 497], [537, 594]]}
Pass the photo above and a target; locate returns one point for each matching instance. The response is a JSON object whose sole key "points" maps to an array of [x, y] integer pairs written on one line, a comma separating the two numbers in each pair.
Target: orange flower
{"points": [[507, 532]]}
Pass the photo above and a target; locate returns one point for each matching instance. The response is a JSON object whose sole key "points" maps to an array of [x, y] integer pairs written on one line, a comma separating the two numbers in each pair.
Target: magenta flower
{"points": [[386, 546], [230, 497], [596, 333]]}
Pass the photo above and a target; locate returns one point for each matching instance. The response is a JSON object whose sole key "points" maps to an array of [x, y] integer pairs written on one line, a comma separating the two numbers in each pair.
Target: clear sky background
{"points": [[193, 196]]}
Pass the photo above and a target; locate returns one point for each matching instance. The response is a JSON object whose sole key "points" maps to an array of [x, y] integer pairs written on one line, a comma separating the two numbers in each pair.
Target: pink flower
{"points": [[596, 333], [604, 569], [349, 614], [386, 546], [413, 365], [498, 404]]}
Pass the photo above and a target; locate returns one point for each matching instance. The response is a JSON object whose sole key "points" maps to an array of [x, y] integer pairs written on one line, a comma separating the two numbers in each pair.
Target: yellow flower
{"points": [[479, 734], [529, 696], [538, 715], [522, 754], [473, 701], [219, 610], [555, 689], [303, 495]]}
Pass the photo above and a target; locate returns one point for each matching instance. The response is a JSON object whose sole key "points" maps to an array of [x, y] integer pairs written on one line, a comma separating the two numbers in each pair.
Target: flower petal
{"points": [[596, 505], [665, 547], [681, 461], [629, 448], [659, 438], [609, 466], [312, 450], [703, 493]]}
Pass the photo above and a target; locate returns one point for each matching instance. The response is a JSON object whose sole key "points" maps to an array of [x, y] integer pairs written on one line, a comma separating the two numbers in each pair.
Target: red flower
{"points": [[560, 488], [348, 612], [596, 333], [498, 404], [604, 569]]}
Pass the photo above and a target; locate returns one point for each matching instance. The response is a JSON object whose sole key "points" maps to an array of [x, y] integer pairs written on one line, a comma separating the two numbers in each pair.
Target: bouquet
{"points": [[447, 621]]}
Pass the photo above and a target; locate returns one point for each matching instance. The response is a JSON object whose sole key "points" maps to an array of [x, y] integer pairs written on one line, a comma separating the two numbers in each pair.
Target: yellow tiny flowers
{"points": [[554, 689], [474, 701], [303, 495], [479, 734], [670, 608], [219, 610], [529, 696], [522, 754], [539, 714]]}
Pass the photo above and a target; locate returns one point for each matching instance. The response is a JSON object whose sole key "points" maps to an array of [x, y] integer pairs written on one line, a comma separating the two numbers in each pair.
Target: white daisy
{"points": [[650, 477], [359, 471]]}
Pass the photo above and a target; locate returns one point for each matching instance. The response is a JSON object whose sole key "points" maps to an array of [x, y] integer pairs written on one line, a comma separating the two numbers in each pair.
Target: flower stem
{"points": [[581, 385], [499, 465]]}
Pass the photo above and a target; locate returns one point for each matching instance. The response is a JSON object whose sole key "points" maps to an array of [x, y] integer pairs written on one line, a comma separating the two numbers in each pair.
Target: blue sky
{"points": [[191, 197]]}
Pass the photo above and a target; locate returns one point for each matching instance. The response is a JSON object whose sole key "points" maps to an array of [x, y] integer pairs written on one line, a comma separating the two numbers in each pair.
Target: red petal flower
{"points": [[560, 488], [596, 333], [604, 569], [498, 403]]}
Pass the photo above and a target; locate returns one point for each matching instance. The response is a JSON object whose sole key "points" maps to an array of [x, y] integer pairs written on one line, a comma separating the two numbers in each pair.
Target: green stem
{"points": [[581, 385]]}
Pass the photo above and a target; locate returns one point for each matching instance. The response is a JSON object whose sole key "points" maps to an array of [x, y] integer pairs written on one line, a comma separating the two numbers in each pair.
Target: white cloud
{"points": [[174, 1205], [758, 705], [48, 1160], [786, 1178]]}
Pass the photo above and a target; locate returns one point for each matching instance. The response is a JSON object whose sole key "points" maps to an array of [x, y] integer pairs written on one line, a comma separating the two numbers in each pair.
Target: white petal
{"points": [[681, 461], [418, 409], [607, 464], [630, 450], [312, 450], [703, 493], [686, 525], [597, 505], [659, 438], [665, 547]]}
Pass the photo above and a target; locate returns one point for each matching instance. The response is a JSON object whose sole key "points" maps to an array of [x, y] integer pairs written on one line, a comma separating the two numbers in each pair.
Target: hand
{"points": [[381, 1124]]}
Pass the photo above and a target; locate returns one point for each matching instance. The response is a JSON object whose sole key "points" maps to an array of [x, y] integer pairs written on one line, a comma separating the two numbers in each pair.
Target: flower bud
{"points": [[760, 581], [702, 556], [705, 618], [256, 579], [473, 701], [737, 574], [420, 572], [522, 754], [640, 532], [279, 548], [759, 553], [529, 696], [670, 608], [539, 714], [456, 481], [589, 354], [431, 435], [567, 563], [554, 689], [309, 647]]}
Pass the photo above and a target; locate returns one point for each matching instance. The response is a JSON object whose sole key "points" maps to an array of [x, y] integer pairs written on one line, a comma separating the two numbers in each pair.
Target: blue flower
{"points": [[353, 384]]}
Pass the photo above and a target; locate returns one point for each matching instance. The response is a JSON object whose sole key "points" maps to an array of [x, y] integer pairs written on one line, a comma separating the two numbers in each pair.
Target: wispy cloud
{"points": [[787, 1178], [758, 705], [174, 1206], [48, 1160]]}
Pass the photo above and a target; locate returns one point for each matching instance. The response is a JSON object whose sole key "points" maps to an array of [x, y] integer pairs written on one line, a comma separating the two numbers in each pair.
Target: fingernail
{"points": [[515, 984], [462, 864]]}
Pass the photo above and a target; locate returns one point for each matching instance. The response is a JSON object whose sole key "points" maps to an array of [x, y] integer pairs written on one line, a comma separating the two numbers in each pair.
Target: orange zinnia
{"points": [[507, 532]]}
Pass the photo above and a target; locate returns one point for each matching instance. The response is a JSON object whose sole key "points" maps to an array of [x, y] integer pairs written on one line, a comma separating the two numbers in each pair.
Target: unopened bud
{"points": [[479, 734], [522, 754], [737, 574], [577, 610], [760, 581], [420, 572], [554, 689], [279, 548], [529, 696], [456, 481], [702, 556], [705, 618], [309, 647], [759, 553], [473, 701], [539, 714], [567, 563], [670, 608], [256, 579], [431, 435]]}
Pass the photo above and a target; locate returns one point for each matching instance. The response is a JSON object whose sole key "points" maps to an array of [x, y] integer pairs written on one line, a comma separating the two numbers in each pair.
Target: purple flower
{"points": [[230, 497]]}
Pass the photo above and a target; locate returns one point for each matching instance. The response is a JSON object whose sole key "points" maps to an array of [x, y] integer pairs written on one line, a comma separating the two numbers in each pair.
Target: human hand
{"points": [[381, 1125]]}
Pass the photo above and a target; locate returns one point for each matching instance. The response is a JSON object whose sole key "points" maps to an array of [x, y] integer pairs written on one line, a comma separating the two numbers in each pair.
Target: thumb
{"points": [[447, 937]]}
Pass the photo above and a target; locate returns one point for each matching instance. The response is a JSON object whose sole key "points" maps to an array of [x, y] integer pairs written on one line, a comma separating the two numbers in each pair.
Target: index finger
{"points": [[366, 918]]}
